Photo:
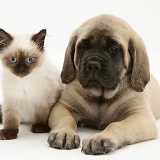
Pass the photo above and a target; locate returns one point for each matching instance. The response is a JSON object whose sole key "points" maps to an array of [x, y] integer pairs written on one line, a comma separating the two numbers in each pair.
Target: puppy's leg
{"points": [[11, 121], [64, 129], [136, 128], [41, 120]]}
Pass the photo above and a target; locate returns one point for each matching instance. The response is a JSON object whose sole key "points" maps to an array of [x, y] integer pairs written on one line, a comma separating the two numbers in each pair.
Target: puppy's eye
{"points": [[84, 46], [113, 48], [30, 60], [13, 59]]}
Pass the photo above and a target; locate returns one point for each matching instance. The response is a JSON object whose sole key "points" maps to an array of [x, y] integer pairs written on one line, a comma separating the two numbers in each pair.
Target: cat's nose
{"points": [[21, 69]]}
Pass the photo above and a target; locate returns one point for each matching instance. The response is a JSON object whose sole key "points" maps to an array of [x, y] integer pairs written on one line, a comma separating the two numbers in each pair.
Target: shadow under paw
{"points": [[40, 128]]}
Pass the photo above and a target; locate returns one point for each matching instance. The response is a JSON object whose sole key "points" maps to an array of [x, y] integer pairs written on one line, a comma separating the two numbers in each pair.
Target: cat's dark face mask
{"points": [[21, 61]]}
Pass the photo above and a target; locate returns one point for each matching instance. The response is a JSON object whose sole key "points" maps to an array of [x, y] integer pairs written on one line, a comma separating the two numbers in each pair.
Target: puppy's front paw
{"points": [[40, 128], [64, 140], [99, 145], [6, 134]]}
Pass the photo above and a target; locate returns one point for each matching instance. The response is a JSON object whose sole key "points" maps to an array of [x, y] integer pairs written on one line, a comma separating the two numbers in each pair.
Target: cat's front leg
{"points": [[11, 121], [40, 124]]}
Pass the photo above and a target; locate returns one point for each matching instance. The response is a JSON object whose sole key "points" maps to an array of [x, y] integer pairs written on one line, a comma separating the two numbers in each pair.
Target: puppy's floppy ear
{"points": [[140, 64], [39, 39], [5, 39], [68, 70]]}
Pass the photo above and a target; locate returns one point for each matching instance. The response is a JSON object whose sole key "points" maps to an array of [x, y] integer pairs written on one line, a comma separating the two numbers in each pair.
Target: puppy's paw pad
{"points": [[40, 128], [7, 134], [64, 140], [98, 146]]}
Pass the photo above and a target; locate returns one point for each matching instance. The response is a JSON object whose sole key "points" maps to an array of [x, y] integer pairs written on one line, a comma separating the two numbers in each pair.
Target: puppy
{"points": [[109, 87]]}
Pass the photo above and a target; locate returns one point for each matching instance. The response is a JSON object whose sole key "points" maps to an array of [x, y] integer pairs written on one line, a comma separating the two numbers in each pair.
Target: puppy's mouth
{"points": [[95, 80], [94, 73]]}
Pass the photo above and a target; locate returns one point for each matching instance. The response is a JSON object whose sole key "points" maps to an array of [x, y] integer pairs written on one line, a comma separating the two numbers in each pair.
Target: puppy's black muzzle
{"points": [[96, 71]]}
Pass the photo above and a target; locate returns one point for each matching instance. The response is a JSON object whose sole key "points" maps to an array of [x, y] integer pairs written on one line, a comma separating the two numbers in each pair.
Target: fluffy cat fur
{"points": [[30, 83]]}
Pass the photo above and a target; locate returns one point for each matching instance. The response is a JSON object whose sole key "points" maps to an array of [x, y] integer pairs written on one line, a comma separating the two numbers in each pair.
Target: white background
{"points": [[61, 18]]}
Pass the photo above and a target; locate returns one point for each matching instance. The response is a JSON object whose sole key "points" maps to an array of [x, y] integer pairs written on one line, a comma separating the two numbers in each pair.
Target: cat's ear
{"points": [[39, 39], [5, 39]]}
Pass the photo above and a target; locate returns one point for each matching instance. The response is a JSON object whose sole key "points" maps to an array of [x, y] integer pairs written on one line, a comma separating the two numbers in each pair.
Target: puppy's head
{"points": [[102, 51]]}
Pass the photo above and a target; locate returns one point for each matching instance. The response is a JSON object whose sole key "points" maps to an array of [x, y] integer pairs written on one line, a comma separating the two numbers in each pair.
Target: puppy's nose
{"points": [[93, 66]]}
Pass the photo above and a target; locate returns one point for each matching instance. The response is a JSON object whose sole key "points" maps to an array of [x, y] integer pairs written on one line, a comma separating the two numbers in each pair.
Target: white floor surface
{"points": [[60, 18]]}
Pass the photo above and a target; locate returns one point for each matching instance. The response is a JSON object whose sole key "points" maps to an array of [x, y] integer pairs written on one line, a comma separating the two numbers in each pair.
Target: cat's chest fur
{"points": [[32, 91]]}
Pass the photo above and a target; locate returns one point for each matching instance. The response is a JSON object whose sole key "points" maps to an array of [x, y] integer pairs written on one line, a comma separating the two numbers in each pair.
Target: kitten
{"points": [[30, 84]]}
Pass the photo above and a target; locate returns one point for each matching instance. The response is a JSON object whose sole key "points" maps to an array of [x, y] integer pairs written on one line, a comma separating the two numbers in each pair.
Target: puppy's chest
{"points": [[95, 113], [99, 114]]}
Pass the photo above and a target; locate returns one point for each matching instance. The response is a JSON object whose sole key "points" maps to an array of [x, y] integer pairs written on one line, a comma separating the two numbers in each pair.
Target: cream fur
{"points": [[21, 42], [28, 99], [37, 89], [126, 114]]}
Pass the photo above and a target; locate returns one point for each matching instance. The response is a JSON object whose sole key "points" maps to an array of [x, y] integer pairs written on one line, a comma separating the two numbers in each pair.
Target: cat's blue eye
{"points": [[30, 60], [13, 60]]}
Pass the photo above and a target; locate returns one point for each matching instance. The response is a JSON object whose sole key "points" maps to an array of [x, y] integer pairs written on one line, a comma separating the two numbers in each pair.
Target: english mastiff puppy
{"points": [[109, 87]]}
